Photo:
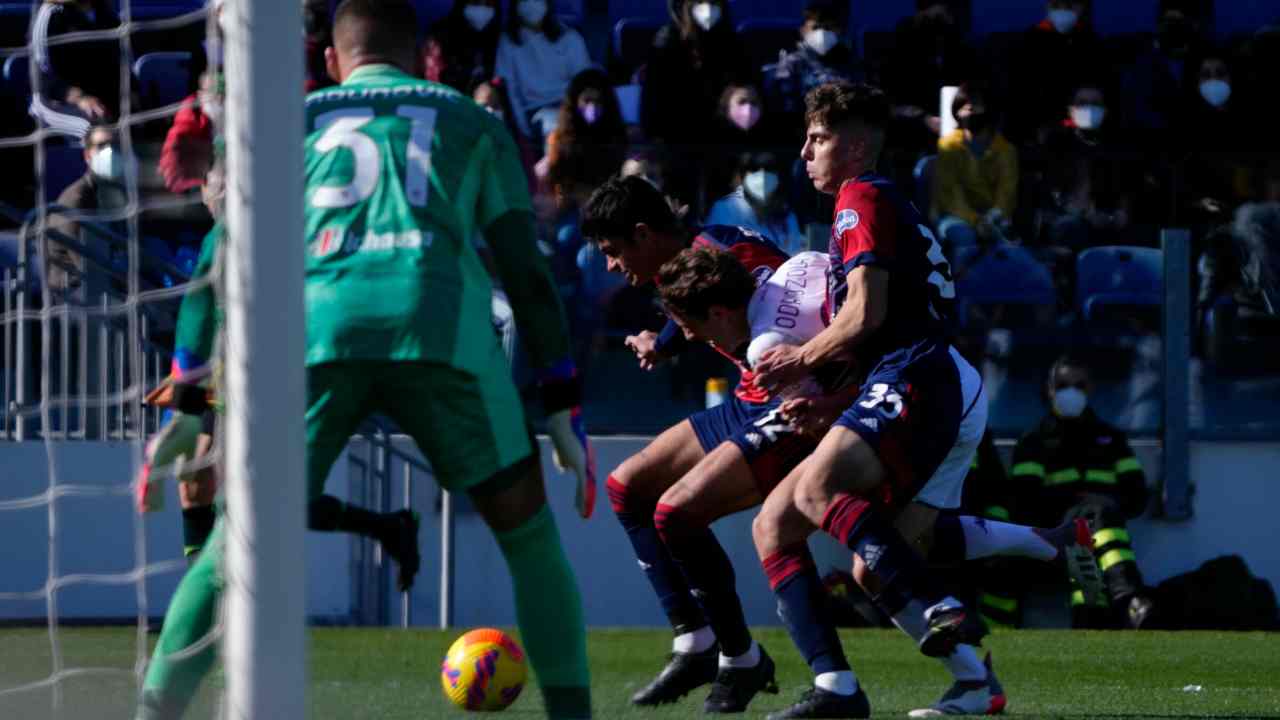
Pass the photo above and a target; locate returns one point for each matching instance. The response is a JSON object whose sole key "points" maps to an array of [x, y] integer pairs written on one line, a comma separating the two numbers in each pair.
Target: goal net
{"points": [[96, 252]]}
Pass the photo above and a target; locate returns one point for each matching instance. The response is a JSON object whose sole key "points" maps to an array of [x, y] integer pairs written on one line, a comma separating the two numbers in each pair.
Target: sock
{"points": [[549, 613], [197, 523], [984, 538], [693, 642], [900, 571], [708, 572], [329, 514], [748, 659], [682, 609], [843, 682], [963, 664], [173, 676], [803, 609]]}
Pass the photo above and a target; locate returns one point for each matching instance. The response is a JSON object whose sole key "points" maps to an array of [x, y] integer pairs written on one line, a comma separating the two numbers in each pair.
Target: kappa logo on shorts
{"points": [[846, 220]]}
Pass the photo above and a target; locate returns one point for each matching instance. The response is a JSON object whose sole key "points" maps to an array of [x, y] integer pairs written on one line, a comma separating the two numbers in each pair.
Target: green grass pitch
{"points": [[387, 674]]}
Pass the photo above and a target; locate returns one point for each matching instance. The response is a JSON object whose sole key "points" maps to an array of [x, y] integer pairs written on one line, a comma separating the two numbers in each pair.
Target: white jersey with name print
{"points": [[790, 308]]}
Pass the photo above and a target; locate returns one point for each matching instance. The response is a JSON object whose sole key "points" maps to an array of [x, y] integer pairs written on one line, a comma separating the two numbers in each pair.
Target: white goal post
{"points": [[265, 603]]}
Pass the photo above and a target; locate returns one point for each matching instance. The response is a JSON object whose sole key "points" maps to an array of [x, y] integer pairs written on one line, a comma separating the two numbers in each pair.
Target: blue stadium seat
{"points": [[764, 38], [15, 18], [1005, 275], [158, 9], [164, 78], [17, 78], [923, 175], [654, 11], [63, 165], [1119, 275], [632, 38]]}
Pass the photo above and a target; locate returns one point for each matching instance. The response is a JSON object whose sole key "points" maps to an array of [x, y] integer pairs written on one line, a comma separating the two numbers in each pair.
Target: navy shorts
{"points": [[923, 412], [769, 444]]}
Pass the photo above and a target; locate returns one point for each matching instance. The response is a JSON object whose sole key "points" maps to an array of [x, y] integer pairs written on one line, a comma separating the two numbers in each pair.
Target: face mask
{"points": [[532, 11], [1069, 402], [821, 41], [107, 164], [745, 115], [760, 185], [706, 15], [478, 15], [590, 113], [1215, 92], [1063, 20], [1088, 117]]}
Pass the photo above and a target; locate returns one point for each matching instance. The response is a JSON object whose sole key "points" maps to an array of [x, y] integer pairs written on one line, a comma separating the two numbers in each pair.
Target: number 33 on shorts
{"points": [[885, 398]]}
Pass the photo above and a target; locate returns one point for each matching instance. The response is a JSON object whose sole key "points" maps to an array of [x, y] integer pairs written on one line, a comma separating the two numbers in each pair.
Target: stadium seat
{"points": [[764, 38], [632, 38], [15, 17], [1006, 275], [629, 102], [923, 175], [63, 165], [17, 78], [159, 9], [1119, 275], [164, 78]]}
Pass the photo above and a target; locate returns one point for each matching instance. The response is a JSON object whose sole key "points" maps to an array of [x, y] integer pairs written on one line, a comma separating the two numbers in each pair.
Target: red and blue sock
{"points": [[802, 605], [708, 572]]}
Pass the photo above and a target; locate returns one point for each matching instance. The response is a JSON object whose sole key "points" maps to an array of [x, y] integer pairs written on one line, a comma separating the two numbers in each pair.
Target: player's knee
{"points": [[512, 496], [810, 495], [766, 532]]}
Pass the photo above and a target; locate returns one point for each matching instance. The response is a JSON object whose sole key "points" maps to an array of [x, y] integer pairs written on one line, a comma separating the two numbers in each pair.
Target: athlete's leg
{"points": [[195, 495], [720, 485], [185, 651]]}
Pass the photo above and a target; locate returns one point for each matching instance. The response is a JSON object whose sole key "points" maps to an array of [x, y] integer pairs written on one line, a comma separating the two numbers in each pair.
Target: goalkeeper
{"points": [[400, 172]]}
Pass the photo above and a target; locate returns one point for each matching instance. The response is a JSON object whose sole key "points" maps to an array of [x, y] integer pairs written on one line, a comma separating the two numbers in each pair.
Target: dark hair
{"points": [[377, 28], [837, 104], [550, 25], [973, 93], [824, 12], [1069, 359], [455, 23], [734, 86], [691, 30], [697, 279], [617, 206], [610, 128]]}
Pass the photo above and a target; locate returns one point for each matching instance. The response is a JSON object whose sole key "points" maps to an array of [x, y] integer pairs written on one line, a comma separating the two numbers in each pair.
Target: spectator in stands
{"points": [[317, 28], [187, 154], [491, 94], [79, 83], [1159, 79], [822, 55], [1050, 61], [1086, 180], [103, 163], [759, 202], [1074, 464], [649, 164], [929, 52], [589, 142], [975, 182], [462, 47], [742, 124], [537, 57], [693, 60], [1217, 135]]}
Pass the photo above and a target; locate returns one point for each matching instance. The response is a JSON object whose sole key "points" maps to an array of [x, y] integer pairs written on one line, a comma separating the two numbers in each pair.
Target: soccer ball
{"points": [[484, 671]]}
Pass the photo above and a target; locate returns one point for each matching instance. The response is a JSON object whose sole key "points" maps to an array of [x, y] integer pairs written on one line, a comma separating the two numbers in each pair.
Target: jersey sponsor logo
{"points": [[762, 274], [328, 241], [332, 240], [846, 220]]}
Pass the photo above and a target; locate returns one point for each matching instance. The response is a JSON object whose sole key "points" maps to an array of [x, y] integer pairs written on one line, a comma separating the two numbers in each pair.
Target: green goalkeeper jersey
{"points": [[400, 175], [200, 315]]}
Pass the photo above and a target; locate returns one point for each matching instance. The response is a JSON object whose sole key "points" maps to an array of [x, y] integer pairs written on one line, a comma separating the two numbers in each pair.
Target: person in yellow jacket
{"points": [[975, 179], [1075, 465]]}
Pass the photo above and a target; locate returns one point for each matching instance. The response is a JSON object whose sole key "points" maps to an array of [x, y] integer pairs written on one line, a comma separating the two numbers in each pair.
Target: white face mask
{"points": [[706, 15], [821, 41], [478, 15], [1215, 92], [1088, 117], [107, 164], [760, 185], [1064, 21], [1069, 402], [532, 11]]}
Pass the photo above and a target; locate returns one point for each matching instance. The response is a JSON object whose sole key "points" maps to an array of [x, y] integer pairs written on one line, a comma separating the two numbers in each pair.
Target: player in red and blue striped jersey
{"points": [[636, 228]]}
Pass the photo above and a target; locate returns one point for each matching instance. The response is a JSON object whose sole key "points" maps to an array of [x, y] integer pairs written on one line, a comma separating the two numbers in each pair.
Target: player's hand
{"points": [[812, 415], [572, 451], [561, 390], [779, 367], [92, 107], [176, 440], [645, 346]]}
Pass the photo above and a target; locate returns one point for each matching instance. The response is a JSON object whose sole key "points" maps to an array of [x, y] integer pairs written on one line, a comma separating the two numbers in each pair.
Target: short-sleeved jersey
{"points": [[400, 174], [760, 256], [875, 225]]}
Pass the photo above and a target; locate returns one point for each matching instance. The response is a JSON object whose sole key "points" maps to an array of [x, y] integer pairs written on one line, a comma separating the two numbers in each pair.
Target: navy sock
{"points": [[668, 583], [329, 514], [708, 572], [802, 605], [899, 569], [197, 523]]}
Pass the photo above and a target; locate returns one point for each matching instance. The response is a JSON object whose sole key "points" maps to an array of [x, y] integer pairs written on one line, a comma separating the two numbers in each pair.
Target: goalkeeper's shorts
{"points": [[469, 426]]}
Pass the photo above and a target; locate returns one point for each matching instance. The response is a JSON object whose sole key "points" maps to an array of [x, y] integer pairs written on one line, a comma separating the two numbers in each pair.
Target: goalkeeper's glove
{"points": [[176, 440], [561, 391]]}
